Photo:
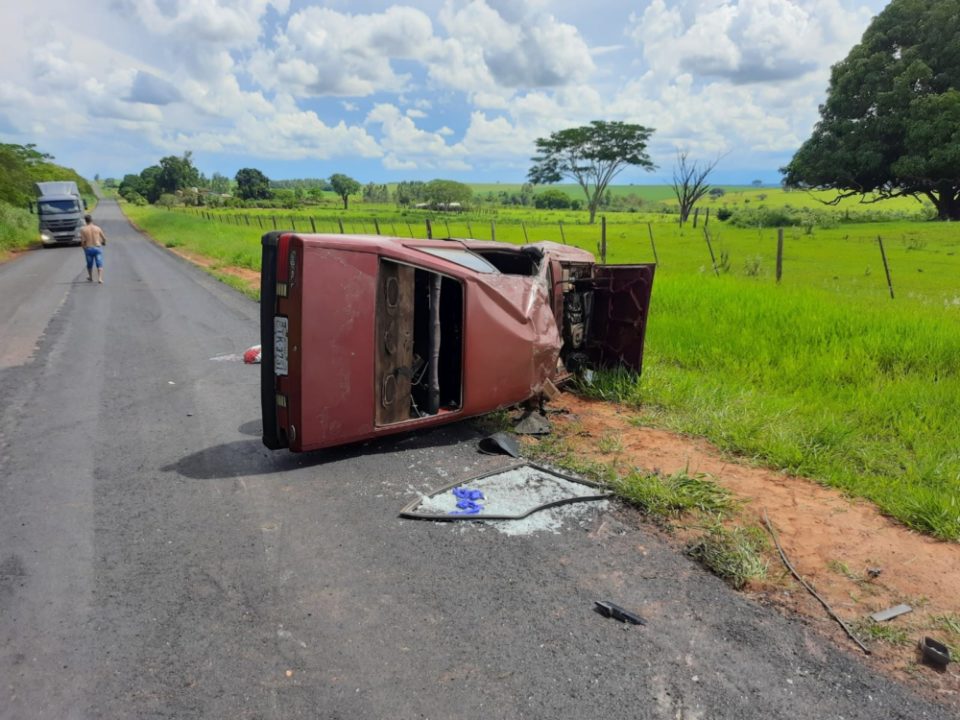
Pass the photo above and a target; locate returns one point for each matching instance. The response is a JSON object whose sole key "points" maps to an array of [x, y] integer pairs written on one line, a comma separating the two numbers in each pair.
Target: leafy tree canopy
{"points": [[219, 183], [177, 173], [444, 192], [891, 123], [252, 184], [23, 165], [592, 155], [344, 186], [552, 199]]}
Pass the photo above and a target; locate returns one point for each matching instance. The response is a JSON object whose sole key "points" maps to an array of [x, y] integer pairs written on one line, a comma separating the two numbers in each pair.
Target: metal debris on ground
{"points": [[891, 613], [611, 610], [500, 443], [510, 493]]}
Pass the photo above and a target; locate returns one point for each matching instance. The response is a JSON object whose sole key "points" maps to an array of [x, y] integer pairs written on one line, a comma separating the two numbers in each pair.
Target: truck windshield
{"points": [[58, 207]]}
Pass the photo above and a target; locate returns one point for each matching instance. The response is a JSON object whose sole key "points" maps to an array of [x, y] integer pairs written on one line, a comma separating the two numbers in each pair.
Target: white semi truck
{"points": [[60, 211]]}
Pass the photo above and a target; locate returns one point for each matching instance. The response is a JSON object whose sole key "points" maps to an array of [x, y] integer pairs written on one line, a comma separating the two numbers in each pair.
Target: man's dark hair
{"points": [[88, 217]]}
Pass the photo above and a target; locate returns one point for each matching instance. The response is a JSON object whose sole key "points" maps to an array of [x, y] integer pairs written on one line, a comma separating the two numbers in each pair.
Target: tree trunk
{"points": [[346, 202], [947, 204]]}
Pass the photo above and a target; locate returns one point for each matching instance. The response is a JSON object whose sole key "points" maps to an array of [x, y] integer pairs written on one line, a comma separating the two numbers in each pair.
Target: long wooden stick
{"points": [[783, 556]]}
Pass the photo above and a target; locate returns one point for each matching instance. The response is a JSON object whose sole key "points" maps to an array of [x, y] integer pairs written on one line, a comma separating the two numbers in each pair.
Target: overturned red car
{"points": [[365, 335]]}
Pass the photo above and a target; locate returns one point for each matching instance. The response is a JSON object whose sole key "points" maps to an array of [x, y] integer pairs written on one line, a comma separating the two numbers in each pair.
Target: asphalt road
{"points": [[157, 562]]}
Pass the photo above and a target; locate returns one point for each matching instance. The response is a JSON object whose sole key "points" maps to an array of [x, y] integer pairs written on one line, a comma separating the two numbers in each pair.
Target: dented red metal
{"points": [[351, 338]]}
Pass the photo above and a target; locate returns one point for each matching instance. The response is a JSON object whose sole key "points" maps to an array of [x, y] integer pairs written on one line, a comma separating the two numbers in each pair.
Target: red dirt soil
{"points": [[830, 539]]}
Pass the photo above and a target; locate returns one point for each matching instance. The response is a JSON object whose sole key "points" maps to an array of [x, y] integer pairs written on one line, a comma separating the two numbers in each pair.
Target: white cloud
{"points": [[509, 45], [403, 142], [325, 52], [224, 23], [743, 41]]}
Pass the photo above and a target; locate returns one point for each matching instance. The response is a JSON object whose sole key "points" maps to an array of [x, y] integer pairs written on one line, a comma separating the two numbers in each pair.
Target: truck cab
{"points": [[60, 211]]}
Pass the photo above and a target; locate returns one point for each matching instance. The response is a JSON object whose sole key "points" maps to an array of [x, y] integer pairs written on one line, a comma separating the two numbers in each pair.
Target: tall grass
{"points": [[863, 397], [237, 245], [18, 228]]}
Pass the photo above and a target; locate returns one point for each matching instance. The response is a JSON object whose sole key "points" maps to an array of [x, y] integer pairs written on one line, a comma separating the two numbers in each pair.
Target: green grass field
{"points": [[822, 375]]}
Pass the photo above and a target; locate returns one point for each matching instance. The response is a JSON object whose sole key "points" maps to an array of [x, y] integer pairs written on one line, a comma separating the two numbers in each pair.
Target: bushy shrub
{"points": [[724, 213]]}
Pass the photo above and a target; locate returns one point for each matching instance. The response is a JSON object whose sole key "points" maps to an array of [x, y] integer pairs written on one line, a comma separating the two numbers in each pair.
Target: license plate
{"points": [[280, 325]]}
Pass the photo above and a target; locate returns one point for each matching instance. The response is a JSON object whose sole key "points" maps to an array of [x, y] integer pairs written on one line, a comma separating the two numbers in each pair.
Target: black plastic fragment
{"points": [[611, 610], [500, 443], [533, 423], [935, 653]]}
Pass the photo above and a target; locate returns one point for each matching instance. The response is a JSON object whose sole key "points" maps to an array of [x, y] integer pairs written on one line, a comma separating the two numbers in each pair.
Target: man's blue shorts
{"points": [[94, 255]]}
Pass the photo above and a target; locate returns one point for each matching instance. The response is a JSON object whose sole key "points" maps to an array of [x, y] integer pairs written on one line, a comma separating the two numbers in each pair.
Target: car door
{"points": [[621, 304]]}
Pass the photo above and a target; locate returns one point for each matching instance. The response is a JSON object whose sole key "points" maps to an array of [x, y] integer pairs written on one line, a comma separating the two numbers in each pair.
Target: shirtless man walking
{"points": [[92, 241]]}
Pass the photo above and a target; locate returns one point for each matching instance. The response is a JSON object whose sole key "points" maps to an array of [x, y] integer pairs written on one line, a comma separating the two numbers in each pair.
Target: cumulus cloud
{"points": [[152, 90], [744, 41], [405, 143], [325, 52], [231, 23], [509, 45]]}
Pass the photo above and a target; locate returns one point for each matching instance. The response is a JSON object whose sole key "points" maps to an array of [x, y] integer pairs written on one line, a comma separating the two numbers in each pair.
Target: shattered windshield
{"points": [[58, 207]]}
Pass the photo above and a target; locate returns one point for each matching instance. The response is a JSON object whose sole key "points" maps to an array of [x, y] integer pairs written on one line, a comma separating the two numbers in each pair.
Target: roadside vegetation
{"points": [[20, 167]]}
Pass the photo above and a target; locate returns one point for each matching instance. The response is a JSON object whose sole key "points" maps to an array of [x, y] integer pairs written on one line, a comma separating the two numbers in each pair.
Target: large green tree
{"points": [[252, 184], [177, 173], [592, 155], [891, 123], [445, 192], [344, 186]]}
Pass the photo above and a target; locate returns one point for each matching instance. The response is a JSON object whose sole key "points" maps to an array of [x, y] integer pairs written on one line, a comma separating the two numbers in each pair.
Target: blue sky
{"points": [[418, 89]]}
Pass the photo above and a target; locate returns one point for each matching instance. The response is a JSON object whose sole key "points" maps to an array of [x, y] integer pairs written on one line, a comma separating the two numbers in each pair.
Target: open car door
{"points": [[621, 303]]}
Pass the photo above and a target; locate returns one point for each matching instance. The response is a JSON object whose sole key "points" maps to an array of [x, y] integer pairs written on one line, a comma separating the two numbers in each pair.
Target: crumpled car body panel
{"points": [[365, 336]]}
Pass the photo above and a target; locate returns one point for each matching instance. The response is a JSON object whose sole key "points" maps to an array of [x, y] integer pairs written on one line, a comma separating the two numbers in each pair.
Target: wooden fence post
{"points": [[429, 229], [260, 220], [603, 239], [696, 214], [410, 229], [706, 220], [779, 254], [493, 230], [713, 259], [886, 267], [376, 225], [313, 226], [340, 223], [526, 238], [449, 234], [653, 244], [274, 218], [469, 228], [293, 224], [562, 236]]}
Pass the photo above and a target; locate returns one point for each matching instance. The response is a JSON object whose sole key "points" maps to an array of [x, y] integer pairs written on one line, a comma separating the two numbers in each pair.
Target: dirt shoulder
{"points": [[832, 540]]}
